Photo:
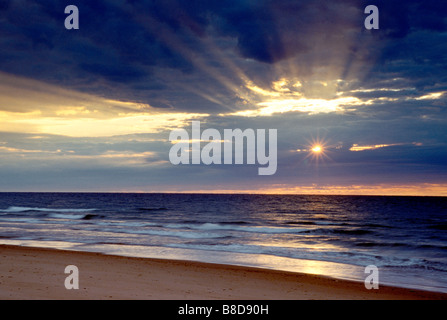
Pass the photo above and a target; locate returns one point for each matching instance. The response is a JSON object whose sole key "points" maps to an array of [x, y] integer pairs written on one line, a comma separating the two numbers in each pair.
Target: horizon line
{"points": [[239, 193]]}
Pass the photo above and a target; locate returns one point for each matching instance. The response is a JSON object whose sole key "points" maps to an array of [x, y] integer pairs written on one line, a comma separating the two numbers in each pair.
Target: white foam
{"points": [[23, 209], [67, 216], [218, 226]]}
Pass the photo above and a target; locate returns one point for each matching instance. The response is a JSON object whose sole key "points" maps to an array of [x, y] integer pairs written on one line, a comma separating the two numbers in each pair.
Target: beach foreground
{"points": [[38, 273]]}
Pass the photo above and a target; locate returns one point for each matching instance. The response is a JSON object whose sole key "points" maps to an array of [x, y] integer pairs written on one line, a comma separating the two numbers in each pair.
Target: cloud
{"points": [[95, 106], [33, 106], [126, 46], [150, 52]]}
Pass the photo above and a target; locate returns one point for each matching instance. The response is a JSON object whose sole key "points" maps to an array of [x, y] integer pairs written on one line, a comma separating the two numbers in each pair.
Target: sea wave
{"points": [[74, 216], [32, 209], [235, 227]]}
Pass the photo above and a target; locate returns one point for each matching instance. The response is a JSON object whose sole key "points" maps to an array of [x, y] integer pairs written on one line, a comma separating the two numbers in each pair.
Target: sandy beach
{"points": [[36, 273]]}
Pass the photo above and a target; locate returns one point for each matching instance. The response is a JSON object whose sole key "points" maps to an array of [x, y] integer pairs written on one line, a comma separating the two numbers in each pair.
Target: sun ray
{"points": [[318, 150]]}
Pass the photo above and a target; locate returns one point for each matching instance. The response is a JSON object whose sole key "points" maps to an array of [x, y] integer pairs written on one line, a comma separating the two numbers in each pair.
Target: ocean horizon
{"points": [[331, 235]]}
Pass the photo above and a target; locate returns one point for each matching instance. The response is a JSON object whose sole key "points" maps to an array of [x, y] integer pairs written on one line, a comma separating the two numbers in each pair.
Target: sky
{"points": [[92, 109]]}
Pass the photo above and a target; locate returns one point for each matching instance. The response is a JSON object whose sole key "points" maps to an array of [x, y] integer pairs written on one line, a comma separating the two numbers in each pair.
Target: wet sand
{"points": [[28, 273]]}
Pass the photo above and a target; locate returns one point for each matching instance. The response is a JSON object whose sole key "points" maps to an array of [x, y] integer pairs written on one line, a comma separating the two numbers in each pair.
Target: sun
{"points": [[317, 149]]}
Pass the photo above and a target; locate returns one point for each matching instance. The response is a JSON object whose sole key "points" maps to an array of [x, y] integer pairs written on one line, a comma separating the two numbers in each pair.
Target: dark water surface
{"points": [[405, 237]]}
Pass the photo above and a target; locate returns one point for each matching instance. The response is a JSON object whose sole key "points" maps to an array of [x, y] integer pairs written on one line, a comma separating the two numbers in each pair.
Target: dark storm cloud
{"points": [[399, 18], [121, 42]]}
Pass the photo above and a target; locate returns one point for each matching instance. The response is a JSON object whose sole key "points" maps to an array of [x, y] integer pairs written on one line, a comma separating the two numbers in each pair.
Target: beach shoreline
{"points": [[31, 273]]}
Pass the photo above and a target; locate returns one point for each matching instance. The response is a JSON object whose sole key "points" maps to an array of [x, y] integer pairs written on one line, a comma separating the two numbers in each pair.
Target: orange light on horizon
{"points": [[420, 189]]}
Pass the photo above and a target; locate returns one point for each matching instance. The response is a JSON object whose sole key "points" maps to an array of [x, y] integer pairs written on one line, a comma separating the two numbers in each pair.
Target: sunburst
{"points": [[318, 150]]}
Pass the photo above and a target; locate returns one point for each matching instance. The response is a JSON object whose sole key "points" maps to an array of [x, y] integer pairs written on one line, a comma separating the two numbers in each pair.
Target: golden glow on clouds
{"points": [[311, 106], [73, 111], [291, 95], [356, 147], [432, 96], [312, 97], [381, 90], [94, 127], [261, 91], [91, 127], [31, 106]]}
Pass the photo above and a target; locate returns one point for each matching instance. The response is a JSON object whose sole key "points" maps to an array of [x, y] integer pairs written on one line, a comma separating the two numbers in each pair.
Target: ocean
{"points": [[337, 236]]}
